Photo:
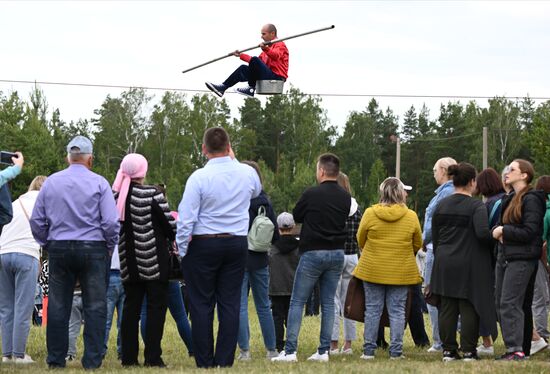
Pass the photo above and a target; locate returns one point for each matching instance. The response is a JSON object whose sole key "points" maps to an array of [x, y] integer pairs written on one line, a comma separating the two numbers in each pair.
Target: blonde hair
{"points": [[392, 191], [37, 183], [343, 181], [445, 162]]}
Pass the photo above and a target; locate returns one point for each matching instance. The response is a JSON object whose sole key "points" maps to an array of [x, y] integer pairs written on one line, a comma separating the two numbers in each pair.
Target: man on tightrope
{"points": [[271, 64]]}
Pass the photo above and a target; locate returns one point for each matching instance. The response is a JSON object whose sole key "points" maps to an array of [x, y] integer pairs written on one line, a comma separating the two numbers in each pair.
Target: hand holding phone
{"points": [[9, 158], [18, 159]]}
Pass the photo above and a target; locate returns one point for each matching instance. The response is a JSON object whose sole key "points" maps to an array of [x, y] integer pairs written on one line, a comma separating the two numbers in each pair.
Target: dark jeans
{"points": [[515, 281], [214, 270], [416, 318], [157, 299], [312, 303], [449, 311], [279, 308], [87, 261], [178, 312], [255, 70]]}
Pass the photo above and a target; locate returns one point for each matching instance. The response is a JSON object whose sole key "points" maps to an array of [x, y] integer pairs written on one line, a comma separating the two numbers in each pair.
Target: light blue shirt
{"points": [[442, 192], [216, 200], [8, 174]]}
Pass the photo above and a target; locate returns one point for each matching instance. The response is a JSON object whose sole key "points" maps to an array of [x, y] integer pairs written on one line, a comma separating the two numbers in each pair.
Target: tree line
{"points": [[285, 136]]}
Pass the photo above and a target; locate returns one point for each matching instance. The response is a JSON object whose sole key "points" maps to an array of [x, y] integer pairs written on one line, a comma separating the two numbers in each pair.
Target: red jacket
{"points": [[275, 57]]}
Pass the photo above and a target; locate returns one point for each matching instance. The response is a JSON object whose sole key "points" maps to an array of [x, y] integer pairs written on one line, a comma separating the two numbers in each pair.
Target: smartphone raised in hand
{"points": [[5, 157]]}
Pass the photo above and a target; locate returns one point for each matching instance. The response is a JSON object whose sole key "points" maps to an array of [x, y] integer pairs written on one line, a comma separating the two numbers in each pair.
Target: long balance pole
{"points": [[257, 46]]}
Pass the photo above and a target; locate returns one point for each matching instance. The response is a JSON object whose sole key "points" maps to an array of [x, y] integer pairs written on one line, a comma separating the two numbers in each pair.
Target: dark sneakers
{"points": [[450, 356], [218, 89], [246, 91], [470, 356], [512, 356]]}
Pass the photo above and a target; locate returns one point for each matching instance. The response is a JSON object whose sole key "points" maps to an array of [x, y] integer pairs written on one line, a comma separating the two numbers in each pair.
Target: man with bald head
{"points": [[272, 64]]}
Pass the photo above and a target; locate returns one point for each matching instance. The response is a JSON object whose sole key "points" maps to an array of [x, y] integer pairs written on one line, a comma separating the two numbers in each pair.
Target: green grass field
{"points": [[175, 355]]}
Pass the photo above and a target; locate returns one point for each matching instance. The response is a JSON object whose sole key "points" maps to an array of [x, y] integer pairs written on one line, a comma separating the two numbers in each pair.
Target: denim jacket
{"points": [[441, 192]]}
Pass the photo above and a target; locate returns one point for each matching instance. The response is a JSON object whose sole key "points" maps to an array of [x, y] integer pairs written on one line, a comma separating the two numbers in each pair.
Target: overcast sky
{"points": [[481, 48]]}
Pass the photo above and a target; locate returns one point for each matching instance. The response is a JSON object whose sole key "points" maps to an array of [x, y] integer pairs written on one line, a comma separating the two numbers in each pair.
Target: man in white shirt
{"points": [[211, 235]]}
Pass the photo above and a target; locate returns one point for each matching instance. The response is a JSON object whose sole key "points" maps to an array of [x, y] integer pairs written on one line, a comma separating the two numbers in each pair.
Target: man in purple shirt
{"points": [[76, 221]]}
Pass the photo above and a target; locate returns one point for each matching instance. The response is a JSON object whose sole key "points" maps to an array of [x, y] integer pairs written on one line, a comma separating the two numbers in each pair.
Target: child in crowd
{"points": [[283, 260]]}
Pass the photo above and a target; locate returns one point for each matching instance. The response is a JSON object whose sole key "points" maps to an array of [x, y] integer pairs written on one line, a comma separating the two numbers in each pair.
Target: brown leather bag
{"points": [[354, 306]]}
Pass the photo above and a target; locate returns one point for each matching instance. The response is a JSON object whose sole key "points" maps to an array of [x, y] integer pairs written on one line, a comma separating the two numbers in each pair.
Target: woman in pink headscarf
{"points": [[146, 229]]}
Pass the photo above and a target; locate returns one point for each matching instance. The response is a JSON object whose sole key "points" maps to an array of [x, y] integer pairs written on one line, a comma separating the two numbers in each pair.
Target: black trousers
{"points": [[449, 310], [416, 318], [528, 312], [279, 309], [213, 269], [157, 300]]}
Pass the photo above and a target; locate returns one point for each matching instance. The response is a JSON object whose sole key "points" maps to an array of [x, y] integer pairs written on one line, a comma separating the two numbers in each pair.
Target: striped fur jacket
{"points": [[145, 235]]}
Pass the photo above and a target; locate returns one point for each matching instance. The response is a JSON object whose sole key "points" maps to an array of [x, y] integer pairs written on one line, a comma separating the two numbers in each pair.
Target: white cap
{"points": [[285, 221]]}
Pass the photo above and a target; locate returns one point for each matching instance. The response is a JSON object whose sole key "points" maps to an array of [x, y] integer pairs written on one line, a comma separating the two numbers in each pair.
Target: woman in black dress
{"points": [[463, 275]]}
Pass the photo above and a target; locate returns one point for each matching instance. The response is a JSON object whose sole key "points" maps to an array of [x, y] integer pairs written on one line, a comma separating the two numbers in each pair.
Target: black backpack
{"points": [[6, 211]]}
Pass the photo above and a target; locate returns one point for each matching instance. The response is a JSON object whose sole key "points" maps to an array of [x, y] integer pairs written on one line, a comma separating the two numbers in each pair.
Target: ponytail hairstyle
{"points": [[462, 174], [512, 214]]}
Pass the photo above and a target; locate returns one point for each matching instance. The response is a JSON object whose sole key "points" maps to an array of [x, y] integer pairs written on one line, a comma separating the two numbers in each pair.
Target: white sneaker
{"points": [[284, 357], [366, 357], [271, 354], [319, 357], [244, 356], [434, 349], [347, 351], [485, 351], [538, 345], [24, 360], [334, 352], [7, 360], [400, 357]]}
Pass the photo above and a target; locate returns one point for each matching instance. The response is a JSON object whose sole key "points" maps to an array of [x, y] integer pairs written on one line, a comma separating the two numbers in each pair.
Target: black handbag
{"points": [[430, 297], [174, 266]]}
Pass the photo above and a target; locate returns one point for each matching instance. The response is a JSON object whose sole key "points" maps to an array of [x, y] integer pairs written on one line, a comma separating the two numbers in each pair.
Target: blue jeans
{"points": [[255, 70], [178, 312], [74, 324], [258, 281], [432, 310], [325, 266], [115, 299], [18, 278], [87, 261], [395, 298]]}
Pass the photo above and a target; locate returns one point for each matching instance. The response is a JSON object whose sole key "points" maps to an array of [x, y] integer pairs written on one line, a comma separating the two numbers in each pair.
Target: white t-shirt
{"points": [[16, 235]]}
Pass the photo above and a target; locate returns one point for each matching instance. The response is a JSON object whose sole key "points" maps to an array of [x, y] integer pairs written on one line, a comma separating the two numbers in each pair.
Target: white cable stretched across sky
{"points": [[330, 94]]}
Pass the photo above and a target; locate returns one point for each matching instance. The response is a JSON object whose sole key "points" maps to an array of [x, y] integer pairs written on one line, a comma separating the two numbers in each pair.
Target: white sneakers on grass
{"points": [[244, 356], [284, 357], [291, 357], [18, 360], [485, 351], [538, 345], [341, 351], [434, 349], [272, 354], [319, 357]]}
